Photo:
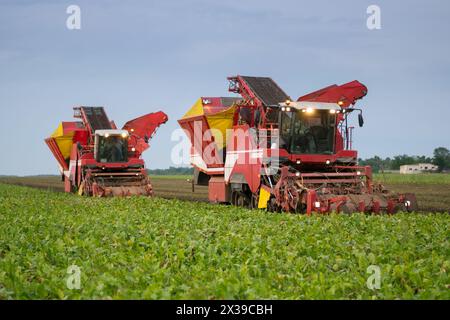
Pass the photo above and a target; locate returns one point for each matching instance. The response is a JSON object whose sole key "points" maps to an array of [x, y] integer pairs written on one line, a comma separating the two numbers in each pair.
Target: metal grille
{"points": [[97, 118], [266, 89]]}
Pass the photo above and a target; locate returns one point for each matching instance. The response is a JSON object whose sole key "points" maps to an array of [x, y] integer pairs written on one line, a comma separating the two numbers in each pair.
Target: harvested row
{"points": [[432, 191]]}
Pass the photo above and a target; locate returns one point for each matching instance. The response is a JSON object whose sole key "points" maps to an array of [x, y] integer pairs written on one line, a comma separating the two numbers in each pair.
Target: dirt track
{"points": [[163, 187], [431, 197]]}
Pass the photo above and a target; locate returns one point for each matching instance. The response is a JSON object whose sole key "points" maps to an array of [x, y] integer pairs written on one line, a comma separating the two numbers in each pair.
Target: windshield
{"points": [[112, 149], [308, 132]]}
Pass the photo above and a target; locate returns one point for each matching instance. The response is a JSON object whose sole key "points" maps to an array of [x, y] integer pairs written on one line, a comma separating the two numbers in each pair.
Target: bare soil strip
{"points": [[431, 197]]}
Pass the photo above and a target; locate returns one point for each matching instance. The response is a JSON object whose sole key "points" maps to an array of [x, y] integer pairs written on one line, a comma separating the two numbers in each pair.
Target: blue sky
{"points": [[143, 56]]}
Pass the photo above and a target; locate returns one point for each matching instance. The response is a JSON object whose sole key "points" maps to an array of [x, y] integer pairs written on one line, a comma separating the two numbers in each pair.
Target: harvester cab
{"points": [[308, 128], [96, 158], [316, 128], [111, 146], [285, 155]]}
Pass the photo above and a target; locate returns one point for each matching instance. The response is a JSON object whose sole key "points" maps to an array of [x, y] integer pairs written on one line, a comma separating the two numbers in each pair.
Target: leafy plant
{"points": [[152, 248]]}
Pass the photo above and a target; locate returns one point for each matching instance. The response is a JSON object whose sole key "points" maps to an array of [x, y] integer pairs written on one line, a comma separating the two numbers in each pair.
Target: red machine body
{"points": [[285, 155], [96, 158]]}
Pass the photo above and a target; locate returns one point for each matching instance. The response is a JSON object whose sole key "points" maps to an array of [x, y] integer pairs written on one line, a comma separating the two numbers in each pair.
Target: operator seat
{"points": [[321, 139]]}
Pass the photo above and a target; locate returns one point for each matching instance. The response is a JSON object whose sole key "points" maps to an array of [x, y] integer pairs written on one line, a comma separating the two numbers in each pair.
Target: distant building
{"points": [[418, 168]]}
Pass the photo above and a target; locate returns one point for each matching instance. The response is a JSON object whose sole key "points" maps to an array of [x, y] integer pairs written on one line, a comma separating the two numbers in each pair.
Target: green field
{"points": [[422, 178], [171, 249]]}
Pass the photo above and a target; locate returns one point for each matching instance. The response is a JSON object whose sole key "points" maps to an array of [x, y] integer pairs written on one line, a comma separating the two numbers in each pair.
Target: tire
{"points": [[240, 199]]}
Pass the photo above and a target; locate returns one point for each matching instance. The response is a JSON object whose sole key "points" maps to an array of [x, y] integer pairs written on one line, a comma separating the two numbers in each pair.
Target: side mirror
{"points": [[360, 120]]}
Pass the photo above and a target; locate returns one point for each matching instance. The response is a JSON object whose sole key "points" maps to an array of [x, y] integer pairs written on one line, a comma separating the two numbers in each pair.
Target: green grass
{"points": [[421, 178], [169, 249]]}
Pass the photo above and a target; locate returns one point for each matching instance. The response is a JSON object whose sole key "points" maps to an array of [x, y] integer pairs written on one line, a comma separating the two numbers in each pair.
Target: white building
{"points": [[418, 168]]}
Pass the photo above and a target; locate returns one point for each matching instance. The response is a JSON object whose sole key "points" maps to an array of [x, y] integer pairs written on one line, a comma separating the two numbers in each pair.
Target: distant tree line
{"points": [[172, 171], [441, 158]]}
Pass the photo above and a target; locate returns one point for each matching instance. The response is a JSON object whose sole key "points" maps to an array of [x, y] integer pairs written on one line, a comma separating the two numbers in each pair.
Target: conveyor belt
{"points": [[96, 117], [266, 89]]}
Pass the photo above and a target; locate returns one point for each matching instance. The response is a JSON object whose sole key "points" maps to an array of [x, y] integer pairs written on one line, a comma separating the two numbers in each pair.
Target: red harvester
{"points": [[265, 150], [97, 159]]}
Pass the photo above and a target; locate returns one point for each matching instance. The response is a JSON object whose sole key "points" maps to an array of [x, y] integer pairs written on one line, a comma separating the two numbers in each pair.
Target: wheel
{"points": [[254, 201], [243, 200]]}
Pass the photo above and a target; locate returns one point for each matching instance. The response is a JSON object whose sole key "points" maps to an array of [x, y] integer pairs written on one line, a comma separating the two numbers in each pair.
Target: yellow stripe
{"points": [[264, 197], [64, 142], [221, 121], [195, 110]]}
